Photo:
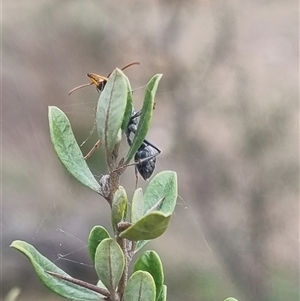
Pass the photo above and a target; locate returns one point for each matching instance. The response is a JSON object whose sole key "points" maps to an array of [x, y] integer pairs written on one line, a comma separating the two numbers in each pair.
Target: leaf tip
{"points": [[14, 243]]}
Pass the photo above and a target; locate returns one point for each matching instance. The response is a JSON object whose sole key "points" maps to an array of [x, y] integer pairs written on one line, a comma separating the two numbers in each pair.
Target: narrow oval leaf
{"points": [[97, 234], [119, 205], [145, 117], [163, 294], [129, 106], [109, 263], [68, 150], [137, 205], [150, 262], [111, 108], [161, 193], [61, 287], [150, 226], [140, 287]]}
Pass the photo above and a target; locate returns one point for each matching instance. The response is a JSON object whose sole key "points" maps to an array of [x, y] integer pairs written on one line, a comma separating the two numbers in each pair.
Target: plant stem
{"points": [[81, 283]]}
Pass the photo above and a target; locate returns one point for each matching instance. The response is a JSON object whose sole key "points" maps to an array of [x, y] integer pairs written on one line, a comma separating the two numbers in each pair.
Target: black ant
{"points": [[145, 157]]}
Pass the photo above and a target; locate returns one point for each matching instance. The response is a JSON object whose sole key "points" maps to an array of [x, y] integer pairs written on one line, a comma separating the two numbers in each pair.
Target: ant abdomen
{"points": [[146, 156]]}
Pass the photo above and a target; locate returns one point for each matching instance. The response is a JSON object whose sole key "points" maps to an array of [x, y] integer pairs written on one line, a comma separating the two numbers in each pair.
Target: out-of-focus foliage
{"points": [[226, 119], [13, 294]]}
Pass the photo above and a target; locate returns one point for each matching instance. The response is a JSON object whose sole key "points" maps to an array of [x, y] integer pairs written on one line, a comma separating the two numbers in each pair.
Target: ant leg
{"points": [[137, 114], [89, 136], [155, 147], [136, 177], [140, 160], [97, 144], [90, 133]]}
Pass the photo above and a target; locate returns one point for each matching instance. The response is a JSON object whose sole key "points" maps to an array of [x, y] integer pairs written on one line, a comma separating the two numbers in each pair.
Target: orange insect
{"points": [[98, 80]]}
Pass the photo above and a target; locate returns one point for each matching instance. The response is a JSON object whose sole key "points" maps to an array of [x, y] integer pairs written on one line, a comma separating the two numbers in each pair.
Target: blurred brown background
{"points": [[226, 119]]}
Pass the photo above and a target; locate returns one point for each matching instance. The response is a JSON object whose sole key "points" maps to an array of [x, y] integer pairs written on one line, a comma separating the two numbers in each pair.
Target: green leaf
{"points": [[145, 117], [139, 245], [68, 150], [101, 285], [109, 263], [97, 234], [163, 294], [61, 287], [140, 287], [150, 226], [129, 107], [119, 205], [111, 108], [137, 205], [150, 262], [161, 193]]}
